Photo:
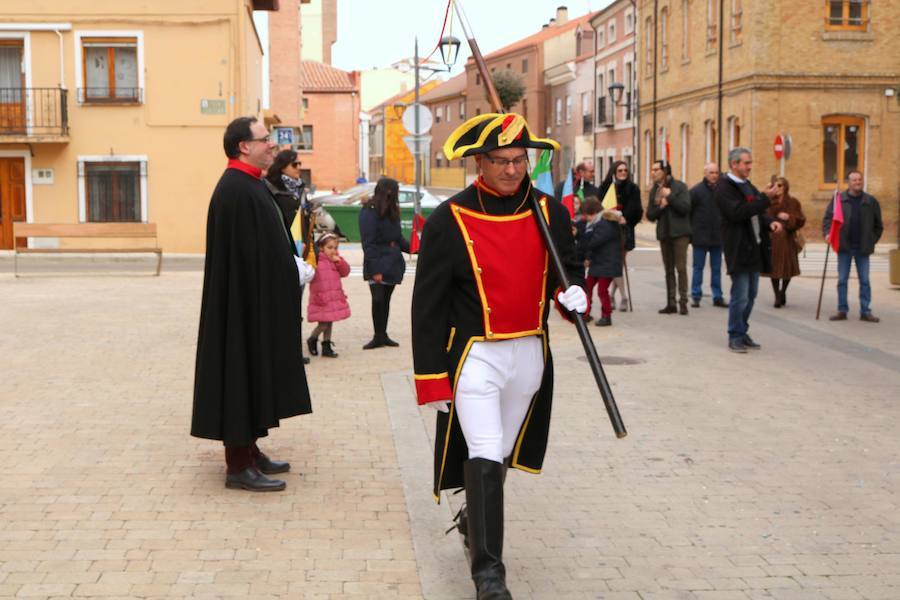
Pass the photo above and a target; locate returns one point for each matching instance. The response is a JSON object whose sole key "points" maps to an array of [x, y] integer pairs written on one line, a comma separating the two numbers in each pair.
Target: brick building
{"points": [[569, 78], [526, 59], [330, 135], [823, 72], [447, 103], [614, 35]]}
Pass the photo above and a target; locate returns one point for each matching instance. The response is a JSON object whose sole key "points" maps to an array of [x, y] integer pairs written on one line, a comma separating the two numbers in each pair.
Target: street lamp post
{"points": [[449, 48]]}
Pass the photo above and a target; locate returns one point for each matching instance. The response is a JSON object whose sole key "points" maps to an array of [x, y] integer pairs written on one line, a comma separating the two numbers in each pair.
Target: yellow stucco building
{"points": [[114, 111], [825, 73]]}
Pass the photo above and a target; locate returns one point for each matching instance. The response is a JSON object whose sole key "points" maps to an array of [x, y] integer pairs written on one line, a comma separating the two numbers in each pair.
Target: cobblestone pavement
{"points": [[773, 475]]}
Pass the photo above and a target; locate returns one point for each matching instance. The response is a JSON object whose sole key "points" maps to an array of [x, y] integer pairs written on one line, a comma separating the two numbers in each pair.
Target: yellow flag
{"points": [[609, 199]]}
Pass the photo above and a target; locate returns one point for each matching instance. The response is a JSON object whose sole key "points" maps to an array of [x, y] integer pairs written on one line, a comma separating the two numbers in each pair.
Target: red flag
{"points": [[837, 221], [414, 240], [568, 195]]}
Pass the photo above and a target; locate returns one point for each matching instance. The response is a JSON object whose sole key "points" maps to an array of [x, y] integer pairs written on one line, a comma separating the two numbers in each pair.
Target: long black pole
{"points": [[593, 359], [822, 286], [590, 350]]}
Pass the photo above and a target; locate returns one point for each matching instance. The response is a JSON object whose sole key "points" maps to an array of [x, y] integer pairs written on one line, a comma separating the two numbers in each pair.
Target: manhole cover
{"points": [[616, 360]]}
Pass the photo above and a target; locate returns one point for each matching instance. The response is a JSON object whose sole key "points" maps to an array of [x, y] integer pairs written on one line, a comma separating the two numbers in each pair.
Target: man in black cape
{"points": [[249, 372]]}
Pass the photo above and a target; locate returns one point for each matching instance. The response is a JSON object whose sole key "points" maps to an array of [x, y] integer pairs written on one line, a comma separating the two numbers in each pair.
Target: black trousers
{"points": [[381, 306], [238, 458]]}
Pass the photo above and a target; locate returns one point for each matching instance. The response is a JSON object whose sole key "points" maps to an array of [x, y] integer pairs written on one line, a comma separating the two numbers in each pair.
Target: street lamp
{"points": [[449, 47], [615, 92]]}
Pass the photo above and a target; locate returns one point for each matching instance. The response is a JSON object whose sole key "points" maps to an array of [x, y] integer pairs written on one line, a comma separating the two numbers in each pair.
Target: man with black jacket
{"points": [[706, 237], [670, 206], [745, 232], [860, 232]]}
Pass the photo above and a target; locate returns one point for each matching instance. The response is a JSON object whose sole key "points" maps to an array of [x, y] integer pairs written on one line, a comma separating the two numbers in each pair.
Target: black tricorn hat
{"points": [[491, 131]]}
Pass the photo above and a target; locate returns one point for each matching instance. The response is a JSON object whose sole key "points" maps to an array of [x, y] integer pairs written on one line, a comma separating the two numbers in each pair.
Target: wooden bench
{"points": [[86, 230]]}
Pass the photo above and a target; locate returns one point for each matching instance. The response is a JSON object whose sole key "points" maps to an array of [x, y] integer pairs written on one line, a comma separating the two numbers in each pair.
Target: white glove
{"points": [[305, 270], [440, 405], [573, 299]]}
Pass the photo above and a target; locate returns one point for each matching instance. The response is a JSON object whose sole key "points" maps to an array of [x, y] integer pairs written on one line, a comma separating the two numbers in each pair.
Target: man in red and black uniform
{"points": [[479, 325]]}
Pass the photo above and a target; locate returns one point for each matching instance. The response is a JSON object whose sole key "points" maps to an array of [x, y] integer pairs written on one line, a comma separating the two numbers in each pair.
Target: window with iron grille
{"points": [[113, 191], [846, 15], [110, 70]]}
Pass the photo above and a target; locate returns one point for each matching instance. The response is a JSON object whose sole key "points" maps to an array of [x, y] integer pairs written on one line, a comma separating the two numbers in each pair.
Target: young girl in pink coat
{"points": [[327, 300]]}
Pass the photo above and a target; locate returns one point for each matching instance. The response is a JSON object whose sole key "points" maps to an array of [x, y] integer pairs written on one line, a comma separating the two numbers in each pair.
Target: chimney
{"points": [[562, 15], [552, 23]]}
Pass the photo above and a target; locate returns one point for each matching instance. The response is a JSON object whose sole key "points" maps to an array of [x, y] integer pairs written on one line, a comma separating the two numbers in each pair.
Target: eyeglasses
{"points": [[505, 162], [264, 140], [296, 164], [621, 170]]}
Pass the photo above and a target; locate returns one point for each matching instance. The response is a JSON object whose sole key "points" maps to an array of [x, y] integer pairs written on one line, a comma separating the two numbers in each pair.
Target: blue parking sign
{"points": [[284, 136]]}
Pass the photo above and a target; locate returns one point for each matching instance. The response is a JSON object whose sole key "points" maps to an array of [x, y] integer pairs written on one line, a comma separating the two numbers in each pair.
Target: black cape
{"points": [[249, 372]]}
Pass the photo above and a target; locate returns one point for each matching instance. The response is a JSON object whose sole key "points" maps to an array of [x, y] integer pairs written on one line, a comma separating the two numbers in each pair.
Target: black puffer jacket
{"points": [[383, 244], [603, 244]]}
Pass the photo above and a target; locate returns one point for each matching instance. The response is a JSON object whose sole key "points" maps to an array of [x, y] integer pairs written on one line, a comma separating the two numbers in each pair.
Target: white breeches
{"points": [[494, 391]]}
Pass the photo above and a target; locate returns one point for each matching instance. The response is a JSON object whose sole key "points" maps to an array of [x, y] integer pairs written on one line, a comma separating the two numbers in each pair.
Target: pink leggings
{"points": [[602, 292]]}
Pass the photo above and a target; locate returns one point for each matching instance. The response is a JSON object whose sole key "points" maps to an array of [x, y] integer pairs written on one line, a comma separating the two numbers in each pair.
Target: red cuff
{"points": [[432, 388], [563, 311]]}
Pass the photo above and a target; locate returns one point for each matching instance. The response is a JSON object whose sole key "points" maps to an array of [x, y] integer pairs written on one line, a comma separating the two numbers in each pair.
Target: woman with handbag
{"points": [[786, 243]]}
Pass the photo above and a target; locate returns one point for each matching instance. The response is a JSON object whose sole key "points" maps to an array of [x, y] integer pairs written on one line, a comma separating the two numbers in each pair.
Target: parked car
{"points": [[358, 193], [341, 211]]}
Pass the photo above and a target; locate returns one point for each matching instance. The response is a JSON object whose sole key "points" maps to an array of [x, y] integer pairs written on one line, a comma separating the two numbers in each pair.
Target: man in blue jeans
{"points": [[745, 233], [706, 237], [861, 230]]}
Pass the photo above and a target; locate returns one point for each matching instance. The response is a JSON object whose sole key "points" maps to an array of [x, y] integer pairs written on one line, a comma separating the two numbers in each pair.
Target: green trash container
{"points": [[347, 219]]}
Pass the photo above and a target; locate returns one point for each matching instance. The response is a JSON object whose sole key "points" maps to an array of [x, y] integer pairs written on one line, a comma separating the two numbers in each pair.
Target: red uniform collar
{"points": [[234, 163], [479, 183]]}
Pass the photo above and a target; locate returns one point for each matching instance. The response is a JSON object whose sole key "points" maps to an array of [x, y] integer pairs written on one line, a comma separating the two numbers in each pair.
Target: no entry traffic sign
{"points": [[779, 147]]}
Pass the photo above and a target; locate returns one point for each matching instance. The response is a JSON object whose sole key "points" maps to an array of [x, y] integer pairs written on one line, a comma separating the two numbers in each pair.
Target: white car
{"points": [[358, 193]]}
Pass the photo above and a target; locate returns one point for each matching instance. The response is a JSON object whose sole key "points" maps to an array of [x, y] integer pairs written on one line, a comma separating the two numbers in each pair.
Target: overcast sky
{"points": [[376, 34]]}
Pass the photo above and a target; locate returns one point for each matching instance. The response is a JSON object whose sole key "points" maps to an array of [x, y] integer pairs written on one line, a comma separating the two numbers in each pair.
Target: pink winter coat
{"points": [[327, 300]]}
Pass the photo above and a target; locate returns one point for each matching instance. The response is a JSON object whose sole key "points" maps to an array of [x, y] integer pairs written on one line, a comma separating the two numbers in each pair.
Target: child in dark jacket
{"points": [[603, 245], [327, 300]]}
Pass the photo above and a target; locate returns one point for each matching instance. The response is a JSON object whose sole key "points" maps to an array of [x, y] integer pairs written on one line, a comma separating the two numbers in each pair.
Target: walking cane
{"points": [[590, 350], [822, 286], [625, 271]]}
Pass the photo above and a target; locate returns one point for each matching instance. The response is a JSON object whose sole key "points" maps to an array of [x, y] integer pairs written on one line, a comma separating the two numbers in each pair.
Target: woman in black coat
{"points": [[285, 185], [383, 264], [628, 197]]}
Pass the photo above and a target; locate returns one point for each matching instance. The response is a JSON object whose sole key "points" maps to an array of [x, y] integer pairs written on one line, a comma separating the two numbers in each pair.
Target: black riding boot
{"points": [[461, 520], [484, 508]]}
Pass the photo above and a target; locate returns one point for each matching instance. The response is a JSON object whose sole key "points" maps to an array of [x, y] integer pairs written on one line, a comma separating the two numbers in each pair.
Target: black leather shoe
{"points": [[268, 466], [838, 316], [668, 310], [695, 303], [251, 479], [869, 318], [683, 309], [720, 302], [375, 343], [737, 346], [389, 342], [604, 321], [750, 344]]}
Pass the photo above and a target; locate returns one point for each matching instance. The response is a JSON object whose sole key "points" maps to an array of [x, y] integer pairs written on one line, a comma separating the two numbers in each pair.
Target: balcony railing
{"points": [[33, 112]]}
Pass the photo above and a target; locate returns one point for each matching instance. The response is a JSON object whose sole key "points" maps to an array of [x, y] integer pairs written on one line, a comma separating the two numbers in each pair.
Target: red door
{"points": [[12, 198]]}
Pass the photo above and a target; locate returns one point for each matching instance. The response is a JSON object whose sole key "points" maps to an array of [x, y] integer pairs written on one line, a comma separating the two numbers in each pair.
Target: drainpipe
{"points": [[62, 69], [719, 93], [655, 71]]}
